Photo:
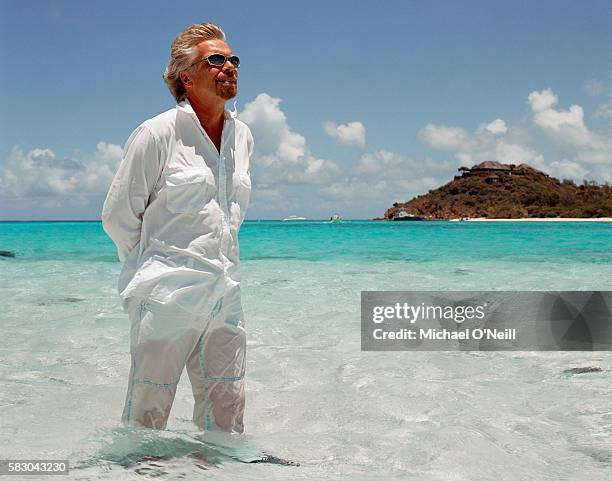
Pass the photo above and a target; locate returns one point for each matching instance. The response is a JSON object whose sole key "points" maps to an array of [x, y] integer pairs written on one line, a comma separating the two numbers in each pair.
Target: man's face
{"points": [[208, 81]]}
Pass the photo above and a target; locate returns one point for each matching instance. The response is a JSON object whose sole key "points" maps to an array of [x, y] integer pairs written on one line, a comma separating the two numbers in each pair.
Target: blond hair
{"points": [[184, 52]]}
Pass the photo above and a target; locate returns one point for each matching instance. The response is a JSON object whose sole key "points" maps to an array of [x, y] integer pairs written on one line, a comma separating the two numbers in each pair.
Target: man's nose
{"points": [[229, 64], [230, 69]]}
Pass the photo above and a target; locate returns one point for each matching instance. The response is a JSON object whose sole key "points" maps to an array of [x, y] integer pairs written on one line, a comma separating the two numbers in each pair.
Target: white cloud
{"points": [[383, 177], [488, 142], [497, 127], [604, 111], [542, 100], [378, 178], [516, 154], [567, 125], [588, 153], [381, 161], [392, 165], [352, 133], [568, 128], [282, 155], [41, 173], [442, 137], [276, 142], [567, 169], [382, 192]]}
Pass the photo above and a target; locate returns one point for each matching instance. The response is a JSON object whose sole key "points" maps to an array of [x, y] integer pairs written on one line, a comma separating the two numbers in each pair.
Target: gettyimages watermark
{"points": [[486, 321]]}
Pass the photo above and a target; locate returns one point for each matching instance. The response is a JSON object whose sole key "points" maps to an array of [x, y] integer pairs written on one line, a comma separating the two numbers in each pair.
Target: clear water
{"points": [[313, 396]]}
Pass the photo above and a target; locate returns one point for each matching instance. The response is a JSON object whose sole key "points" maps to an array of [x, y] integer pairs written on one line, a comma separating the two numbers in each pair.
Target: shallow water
{"points": [[312, 395]]}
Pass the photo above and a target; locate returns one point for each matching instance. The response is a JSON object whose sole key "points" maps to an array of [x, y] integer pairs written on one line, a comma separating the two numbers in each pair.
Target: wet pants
{"points": [[213, 348]]}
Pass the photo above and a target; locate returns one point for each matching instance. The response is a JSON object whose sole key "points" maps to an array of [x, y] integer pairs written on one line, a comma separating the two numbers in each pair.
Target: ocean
{"points": [[312, 395]]}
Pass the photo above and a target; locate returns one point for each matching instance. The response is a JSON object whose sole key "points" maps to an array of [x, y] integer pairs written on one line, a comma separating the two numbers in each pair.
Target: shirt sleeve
{"points": [[130, 189]]}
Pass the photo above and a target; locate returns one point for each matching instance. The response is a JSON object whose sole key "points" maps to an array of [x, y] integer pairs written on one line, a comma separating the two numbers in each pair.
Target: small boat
{"points": [[293, 217], [402, 215], [335, 218]]}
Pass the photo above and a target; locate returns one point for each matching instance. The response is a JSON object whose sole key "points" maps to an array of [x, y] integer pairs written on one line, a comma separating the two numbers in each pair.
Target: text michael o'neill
{"points": [[444, 334]]}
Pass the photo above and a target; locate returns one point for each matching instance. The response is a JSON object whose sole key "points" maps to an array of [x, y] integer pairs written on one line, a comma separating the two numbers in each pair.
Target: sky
{"points": [[353, 106]]}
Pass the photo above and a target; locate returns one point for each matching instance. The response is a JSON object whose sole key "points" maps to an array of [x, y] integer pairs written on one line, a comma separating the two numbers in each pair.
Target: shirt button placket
{"points": [[224, 209]]}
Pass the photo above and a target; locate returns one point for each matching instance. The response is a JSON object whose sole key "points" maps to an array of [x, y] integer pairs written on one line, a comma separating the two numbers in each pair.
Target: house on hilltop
{"points": [[493, 172]]}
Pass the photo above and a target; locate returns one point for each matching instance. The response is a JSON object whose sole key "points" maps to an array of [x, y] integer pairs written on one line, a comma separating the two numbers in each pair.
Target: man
{"points": [[174, 210]]}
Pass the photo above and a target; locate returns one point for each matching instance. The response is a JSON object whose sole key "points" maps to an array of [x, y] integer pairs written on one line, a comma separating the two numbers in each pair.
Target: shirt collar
{"points": [[185, 106]]}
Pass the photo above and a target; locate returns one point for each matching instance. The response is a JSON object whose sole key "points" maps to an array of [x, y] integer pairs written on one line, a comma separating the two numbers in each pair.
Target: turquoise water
{"points": [[312, 394], [349, 241]]}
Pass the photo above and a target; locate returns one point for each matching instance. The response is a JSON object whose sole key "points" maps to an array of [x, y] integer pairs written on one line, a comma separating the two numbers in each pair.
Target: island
{"points": [[493, 190]]}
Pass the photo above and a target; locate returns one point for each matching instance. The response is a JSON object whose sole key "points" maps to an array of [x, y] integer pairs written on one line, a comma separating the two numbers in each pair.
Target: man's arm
{"points": [[130, 189]]}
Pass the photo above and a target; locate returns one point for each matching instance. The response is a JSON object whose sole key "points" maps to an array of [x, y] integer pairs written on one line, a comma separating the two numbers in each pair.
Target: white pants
{"points": [[212, 347]]}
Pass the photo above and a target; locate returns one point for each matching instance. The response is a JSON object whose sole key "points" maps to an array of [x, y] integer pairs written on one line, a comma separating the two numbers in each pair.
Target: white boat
{"points": [[293, 217], [335, 218], [403, 215]]}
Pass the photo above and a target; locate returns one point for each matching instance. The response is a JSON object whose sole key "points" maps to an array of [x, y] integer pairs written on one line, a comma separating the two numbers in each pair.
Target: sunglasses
{"points": [[218, 60]]}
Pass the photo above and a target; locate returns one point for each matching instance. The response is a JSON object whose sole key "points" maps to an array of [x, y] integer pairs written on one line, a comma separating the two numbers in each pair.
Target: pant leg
{"points": [[216, 368], [160, 343]]}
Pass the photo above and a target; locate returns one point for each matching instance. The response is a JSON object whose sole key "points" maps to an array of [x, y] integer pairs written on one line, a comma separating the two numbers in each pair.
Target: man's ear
{"points": [[186, 79]]}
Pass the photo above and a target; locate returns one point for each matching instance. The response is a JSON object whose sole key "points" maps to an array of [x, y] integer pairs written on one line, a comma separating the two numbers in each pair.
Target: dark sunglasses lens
{"points": [[216, 59]]}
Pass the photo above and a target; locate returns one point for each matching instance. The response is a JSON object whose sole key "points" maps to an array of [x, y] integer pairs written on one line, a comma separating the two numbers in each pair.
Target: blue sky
{"points": [[374, 104]]}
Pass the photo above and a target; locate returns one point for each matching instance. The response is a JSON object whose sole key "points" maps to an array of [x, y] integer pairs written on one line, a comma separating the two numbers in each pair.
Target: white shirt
{"points": [[174, 210]]}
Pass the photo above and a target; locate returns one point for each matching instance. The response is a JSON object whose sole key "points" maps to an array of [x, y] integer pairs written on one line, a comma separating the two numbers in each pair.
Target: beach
{"points": [[538, 219], [312, 395]]}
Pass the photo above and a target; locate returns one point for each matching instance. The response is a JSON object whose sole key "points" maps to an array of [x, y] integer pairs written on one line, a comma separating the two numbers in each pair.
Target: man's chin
{"points": [[227, 92]]}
